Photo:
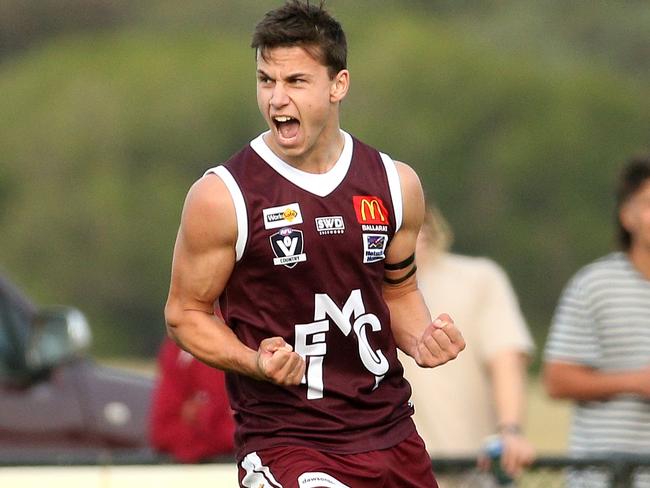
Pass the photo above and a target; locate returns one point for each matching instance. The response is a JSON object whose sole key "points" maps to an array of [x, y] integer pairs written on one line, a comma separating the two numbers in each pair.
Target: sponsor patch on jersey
{"points": [[288, 247], [282, 216], [374, 246], [333, 224], [374, 228], [370, 210]]}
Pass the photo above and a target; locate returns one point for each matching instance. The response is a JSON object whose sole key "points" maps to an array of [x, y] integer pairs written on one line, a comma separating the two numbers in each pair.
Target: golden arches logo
{"points": [[370, 209], [373, 208]]}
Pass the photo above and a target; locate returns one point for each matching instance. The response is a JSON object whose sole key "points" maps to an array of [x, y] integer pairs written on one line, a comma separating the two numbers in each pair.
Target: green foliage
{"points": [[105, 136], [516, 130]]}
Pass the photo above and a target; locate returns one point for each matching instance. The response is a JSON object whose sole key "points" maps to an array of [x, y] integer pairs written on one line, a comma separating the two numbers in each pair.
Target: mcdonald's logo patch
{"points": [[370, 210]]}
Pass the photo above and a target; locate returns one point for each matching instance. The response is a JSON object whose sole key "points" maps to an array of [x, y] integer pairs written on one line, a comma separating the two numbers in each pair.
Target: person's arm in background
{"points": [[429, 343], [506, 345], [565, 380], [573, 348], [508, 373]]}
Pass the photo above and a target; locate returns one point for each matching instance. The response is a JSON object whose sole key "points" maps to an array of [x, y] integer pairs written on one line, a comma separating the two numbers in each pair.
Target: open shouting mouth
{"points": [[286, 126]]}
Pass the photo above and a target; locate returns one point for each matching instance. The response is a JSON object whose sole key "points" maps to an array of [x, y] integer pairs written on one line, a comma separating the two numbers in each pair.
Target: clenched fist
{"points": [[440, 342], [277, 363]]}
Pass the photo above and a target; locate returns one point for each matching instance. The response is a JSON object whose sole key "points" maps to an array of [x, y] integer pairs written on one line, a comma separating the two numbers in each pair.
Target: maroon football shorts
{"points": [[406, 465]]}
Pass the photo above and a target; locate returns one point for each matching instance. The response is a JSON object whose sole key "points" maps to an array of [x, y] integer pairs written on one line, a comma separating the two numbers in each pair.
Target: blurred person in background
{"points": [[191, 419], [307, 238], [598, 349], [490, 377]]}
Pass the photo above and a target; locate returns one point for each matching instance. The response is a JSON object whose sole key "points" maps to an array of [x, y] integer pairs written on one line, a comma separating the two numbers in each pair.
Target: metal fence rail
{"points": [[552, 472], [546, 472]]}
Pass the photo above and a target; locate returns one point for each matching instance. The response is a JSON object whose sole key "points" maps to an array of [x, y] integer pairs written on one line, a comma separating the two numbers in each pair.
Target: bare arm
{"points": [[204, 258], [430, 344], [582, 383], [508, 373]]}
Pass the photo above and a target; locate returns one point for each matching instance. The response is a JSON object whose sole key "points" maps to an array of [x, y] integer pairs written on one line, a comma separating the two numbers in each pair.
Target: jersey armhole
{"points": [[394, 187], [240, 207]]}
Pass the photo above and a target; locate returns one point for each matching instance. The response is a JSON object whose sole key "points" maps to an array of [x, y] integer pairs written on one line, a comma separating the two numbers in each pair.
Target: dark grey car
{"points": [[54, 399]]}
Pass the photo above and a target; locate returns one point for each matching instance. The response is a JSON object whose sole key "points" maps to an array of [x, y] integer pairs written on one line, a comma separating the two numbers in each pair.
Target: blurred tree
{"points": [[515, 128], [26, 22]]}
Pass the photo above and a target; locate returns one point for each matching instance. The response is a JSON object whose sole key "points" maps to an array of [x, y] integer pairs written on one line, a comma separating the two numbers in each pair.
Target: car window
{"points": [[13, 336], [4, 347]]}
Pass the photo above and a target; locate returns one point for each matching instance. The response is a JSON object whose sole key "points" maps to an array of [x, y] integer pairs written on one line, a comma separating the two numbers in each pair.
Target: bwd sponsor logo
{"points": [[374, 246], [288, 246], [371, 213], [276, 217], [330, 225]]}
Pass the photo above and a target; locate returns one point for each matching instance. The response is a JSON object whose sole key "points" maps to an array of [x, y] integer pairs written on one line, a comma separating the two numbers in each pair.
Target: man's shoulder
{"points": [[479, 266], [599, 273], [602, 268]]}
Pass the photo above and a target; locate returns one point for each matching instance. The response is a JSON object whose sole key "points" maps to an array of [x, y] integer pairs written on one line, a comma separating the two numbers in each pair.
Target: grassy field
{"points": [[547, 420]]}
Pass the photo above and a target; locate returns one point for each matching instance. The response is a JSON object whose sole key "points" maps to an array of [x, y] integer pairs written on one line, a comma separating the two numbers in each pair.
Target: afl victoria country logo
{"points": [[288, 246]]}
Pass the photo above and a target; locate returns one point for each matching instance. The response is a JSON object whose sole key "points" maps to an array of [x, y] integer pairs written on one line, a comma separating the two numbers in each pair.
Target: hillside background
{"points": [[517, 114]]}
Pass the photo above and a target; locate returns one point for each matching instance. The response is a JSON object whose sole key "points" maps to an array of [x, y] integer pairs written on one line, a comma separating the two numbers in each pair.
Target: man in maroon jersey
{"points": [[306, 237]]}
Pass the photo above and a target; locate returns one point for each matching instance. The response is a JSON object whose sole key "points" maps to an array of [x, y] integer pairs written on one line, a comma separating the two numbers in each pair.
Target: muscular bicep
{"points": [[204, 253], [402, 246]]}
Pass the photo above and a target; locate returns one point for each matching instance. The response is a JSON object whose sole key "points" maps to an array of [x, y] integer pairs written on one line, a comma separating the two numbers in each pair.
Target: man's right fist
{"points": [[277, 363]]}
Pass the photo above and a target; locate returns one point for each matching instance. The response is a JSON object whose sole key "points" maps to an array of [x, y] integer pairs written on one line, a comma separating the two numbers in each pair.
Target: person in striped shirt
{"points": [[598, 349]]}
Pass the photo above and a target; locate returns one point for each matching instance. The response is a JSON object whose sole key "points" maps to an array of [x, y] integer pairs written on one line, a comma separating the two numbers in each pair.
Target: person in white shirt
{"points": [[483, 392]]}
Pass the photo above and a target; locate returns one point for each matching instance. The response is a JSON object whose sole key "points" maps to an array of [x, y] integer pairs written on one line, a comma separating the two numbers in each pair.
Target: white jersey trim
{"points": [[316, 183], [395, 189], [257, 475], [240, 207]]}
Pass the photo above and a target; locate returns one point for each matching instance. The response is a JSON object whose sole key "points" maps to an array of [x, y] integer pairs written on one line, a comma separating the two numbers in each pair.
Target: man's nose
{"points": [[279, 97]]}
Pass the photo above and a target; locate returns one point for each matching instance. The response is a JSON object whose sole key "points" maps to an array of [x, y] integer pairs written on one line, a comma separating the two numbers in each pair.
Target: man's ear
{"points": [[625, 217], [339, 86]]}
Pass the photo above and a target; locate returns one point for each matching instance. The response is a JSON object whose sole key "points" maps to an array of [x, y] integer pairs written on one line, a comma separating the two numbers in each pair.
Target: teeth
{"points": [[283, 118]]}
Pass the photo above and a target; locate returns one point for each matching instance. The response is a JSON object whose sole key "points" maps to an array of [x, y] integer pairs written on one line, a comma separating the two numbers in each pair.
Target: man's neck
{"points": [[320, 159], [640, 258]]}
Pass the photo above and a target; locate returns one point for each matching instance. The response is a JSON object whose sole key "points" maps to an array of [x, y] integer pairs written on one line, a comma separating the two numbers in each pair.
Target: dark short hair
{"points": [[634, 174], [309, 26]]}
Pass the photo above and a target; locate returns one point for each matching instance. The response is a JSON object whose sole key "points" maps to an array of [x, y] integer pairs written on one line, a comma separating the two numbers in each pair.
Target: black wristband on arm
{"points": [[397, 281], [400, 265]]}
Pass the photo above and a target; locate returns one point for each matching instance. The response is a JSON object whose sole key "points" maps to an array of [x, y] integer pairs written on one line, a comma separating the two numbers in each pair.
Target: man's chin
{"points": [[290, 147]]}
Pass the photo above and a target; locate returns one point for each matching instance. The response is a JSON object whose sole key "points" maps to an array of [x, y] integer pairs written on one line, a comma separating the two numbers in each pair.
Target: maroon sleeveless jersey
{"points": [[310, 266]]}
